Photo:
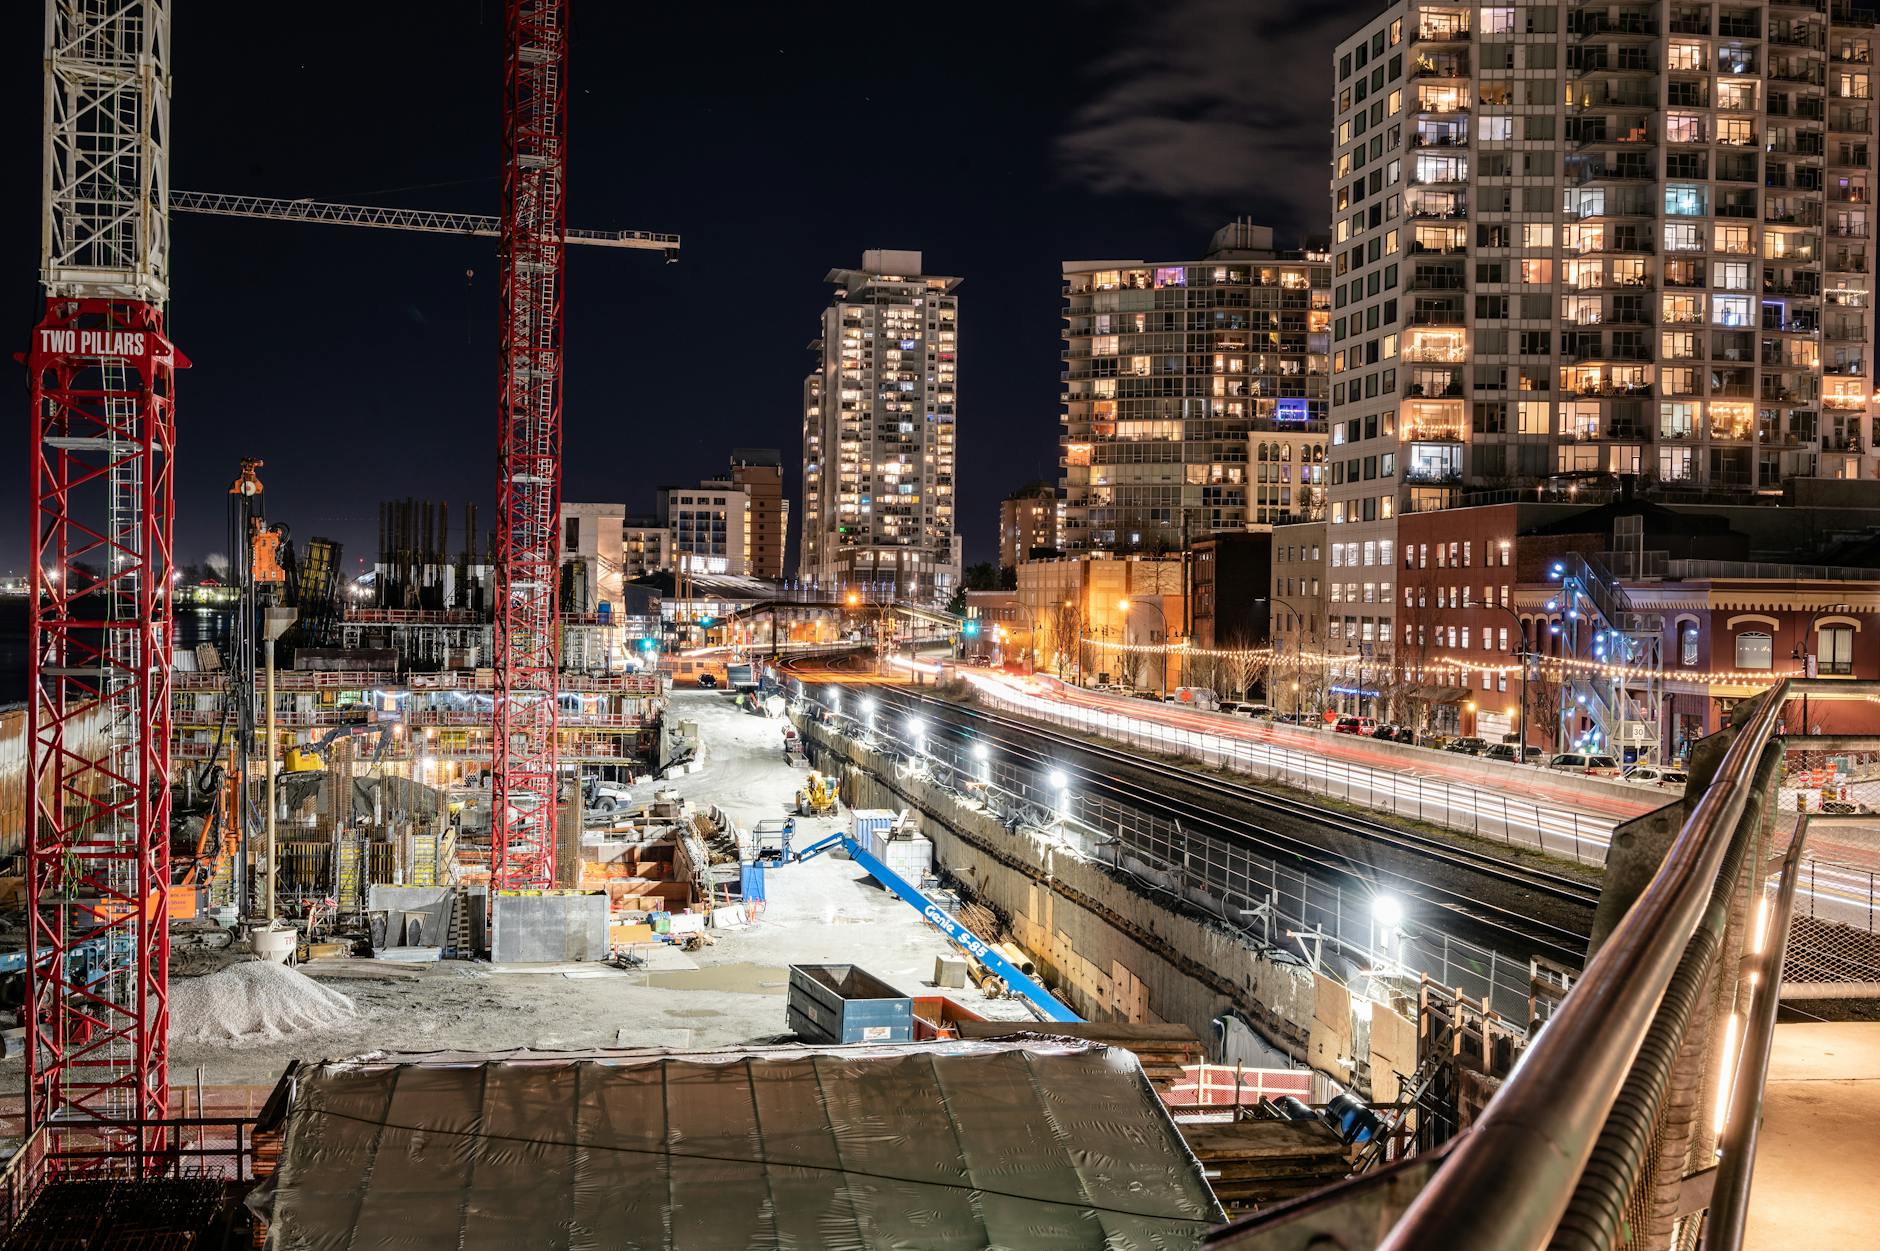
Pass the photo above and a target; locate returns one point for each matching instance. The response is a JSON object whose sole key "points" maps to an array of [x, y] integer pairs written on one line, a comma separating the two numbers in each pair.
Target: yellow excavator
{"points": [[818, 796]]}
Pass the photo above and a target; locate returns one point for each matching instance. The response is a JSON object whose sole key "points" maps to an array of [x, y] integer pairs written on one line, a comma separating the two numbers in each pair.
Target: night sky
{"points": [[780, 140]]}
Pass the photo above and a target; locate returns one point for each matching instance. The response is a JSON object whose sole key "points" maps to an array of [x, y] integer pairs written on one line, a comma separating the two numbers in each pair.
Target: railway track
{"points": [[1184, 799]]}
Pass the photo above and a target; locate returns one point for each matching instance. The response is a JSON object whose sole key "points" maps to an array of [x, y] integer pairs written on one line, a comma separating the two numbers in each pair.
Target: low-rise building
{"points": [[1296, 625], [1230, 611], [1101, 618], [996, 627]]}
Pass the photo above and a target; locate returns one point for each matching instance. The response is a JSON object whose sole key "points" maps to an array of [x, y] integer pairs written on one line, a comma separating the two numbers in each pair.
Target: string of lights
{"points": [[1448, 666]]}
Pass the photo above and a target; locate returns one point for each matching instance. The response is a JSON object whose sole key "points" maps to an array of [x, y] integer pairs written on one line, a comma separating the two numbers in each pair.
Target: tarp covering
{"points": [[943, 1146]]}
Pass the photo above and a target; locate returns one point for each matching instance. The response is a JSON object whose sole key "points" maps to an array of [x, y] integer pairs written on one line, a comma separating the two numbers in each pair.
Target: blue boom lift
{"points": [[936, 916]]}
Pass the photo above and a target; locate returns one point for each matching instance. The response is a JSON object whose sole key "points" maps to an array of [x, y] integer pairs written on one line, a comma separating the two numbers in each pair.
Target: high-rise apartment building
{"points": [[878, 423], [758, 472], [1579, 242], [1169, 368], [1028, 522]]}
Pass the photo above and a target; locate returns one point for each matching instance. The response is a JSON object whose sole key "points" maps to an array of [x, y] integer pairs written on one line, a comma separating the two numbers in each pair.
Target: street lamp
{"points": [[1124, 606], [1298, 651], [1062, 785], [1387, 914]]}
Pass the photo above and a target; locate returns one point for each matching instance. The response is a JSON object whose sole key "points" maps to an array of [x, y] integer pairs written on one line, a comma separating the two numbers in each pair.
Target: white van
{"points": [[1193, 697]]}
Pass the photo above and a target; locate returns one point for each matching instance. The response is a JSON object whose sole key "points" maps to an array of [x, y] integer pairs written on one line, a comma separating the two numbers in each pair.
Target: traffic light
{"points": [[970, 628]]}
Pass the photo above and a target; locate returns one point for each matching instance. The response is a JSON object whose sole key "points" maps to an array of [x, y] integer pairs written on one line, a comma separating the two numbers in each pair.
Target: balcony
{"points": [[1426, 66], [1436, 278], [1600, 137], [1432, 476], [1436, 354], [1608, 390], [1456, 31], [1616, 173]]}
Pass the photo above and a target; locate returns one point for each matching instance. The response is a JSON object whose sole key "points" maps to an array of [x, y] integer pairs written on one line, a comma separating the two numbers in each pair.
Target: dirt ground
{"points": [[823, 911]]}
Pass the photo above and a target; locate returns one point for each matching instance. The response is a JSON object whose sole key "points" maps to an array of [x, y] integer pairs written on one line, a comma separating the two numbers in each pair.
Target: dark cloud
{"points": [[1218, 102]]}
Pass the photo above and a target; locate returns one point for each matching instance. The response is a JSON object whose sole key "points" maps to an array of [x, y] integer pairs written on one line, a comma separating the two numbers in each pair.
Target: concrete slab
{"points": [[1814, 1185]]}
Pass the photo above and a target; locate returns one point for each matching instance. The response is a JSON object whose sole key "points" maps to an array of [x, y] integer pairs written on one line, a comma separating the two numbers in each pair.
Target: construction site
{"points": [[463, 830], [491, 891]]}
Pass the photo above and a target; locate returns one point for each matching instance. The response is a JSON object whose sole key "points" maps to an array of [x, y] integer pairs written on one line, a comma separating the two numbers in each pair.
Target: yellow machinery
{"points": [[818, 796]]}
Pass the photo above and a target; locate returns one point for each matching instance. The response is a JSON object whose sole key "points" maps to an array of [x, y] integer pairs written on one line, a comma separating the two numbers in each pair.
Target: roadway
{"points": [[1450, 791]]}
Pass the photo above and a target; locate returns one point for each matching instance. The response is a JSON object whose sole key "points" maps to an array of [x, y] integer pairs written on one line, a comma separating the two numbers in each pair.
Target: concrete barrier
{"points": [[1495, 774]]}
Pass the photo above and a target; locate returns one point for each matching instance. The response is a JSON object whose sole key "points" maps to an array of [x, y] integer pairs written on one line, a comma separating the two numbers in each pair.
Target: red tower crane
{"points": [[528, 448], [103, 433]]}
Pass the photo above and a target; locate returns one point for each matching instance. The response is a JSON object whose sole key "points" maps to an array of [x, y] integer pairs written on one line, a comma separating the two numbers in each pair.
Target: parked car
{"points": [[1467, 746], [1510, 753], [707, 682], [1148, 695], [1390, 732], [1231, 708], [1355, 725], [1197, 697], [1658, 775], [1436, 740], [1586, 763]]}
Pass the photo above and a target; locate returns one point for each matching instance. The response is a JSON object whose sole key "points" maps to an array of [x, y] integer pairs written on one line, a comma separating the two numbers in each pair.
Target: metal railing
{"points": [[1651, 1070], [1485, 812]]}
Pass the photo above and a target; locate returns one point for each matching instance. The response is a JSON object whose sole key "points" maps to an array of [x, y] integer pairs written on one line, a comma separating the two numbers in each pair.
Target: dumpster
{"points": [[841, 1003]]}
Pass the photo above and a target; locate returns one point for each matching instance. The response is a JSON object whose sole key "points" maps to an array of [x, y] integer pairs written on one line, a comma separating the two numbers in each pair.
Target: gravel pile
{"points": [[257, 1001]]}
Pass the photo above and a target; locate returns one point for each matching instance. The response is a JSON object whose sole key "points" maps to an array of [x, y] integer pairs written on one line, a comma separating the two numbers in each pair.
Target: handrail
{"points": [[1729, 1198], [1508, 1181]]}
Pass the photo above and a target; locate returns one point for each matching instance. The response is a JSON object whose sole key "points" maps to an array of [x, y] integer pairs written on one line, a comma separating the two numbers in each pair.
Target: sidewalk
{"points": [[1814, 1185]]}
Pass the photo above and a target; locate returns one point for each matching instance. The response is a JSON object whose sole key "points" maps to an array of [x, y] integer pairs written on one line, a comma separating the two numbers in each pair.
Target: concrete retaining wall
{"points": [[1115, 951]]}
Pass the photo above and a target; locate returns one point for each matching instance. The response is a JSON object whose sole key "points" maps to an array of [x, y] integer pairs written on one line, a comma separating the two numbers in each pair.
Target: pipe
{"points": [[1509, 1181], [270, 759]]}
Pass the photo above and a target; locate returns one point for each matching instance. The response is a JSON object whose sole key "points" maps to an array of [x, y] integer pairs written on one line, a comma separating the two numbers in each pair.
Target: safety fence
{"points": [[1483, 812]]}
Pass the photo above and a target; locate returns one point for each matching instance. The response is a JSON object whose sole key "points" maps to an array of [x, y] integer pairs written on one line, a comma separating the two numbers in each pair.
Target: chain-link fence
{"points": [[1834, 930], [1276, 905], [1480, 811]]}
